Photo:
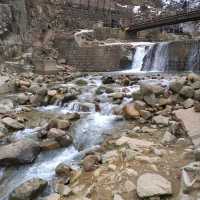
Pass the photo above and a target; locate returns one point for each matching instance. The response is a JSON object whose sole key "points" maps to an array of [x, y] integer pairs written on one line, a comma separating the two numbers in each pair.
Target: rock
{"points": [[63, 170], [36, 100], [18, 153], [190, 120], [81, 82], [108, 80], [62, 189], [12, 123], [68, 97], [28, 190], [197, 106], [117, 197], [168, 138], [60, 136], [6, 106], [103, 89], [52, 93], [117, 95], [133, 142], [197, 154], [197, 95], [188, 103], [22, 98], [130, 111], [192, 77], [63, 124], [161, 120], [91, 162], [6, 85], [149, 185], [151, 100], [140, 105], [53, 196], [2, 135], [196, 85], [145, 114], [148, 89], [24, 83], [176, 85], [49, 144], [137, 95], [187, 92]]}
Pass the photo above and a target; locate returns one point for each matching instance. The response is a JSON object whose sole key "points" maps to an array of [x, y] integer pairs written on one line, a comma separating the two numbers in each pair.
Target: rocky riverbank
{"points": [[99, 136]]}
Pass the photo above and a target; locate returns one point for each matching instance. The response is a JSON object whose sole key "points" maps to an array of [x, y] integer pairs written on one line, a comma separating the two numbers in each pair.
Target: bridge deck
{"points": [[158, 21]]}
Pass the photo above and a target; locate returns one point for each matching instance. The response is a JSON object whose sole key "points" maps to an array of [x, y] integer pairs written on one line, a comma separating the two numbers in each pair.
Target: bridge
{"points": [[164, 20]]}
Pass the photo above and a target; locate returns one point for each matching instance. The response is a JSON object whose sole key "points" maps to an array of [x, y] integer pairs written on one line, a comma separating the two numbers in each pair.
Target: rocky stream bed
{"points": [[99, 136]]}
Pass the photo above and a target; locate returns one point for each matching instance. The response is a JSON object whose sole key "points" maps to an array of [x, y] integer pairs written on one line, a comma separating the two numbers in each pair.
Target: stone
{"points": [[104, 89], [29, 190], [145, 114], [19, 153], [108, 80], [150, 184], [53, 196], [2, 135], [197, 106], [151, 100], [176, 85], [197, 95], [62, 189], [6, 106], [63, 124], [22, 98], [91, 162], [117, 197], [130, 111], [6, 85], [137, 95], [188, 103], [197, 154], [24, 83], [81, 82], [190, 120], [117, 95], [187, 92], [192, 77], [68, 97], [55, 133], [168, 138], [49, 144], [196, 85], [52, 93], [36, 100], [63, 170], [12, 123], [133, 143], [139, 105], [161, 120], [148, 89]]}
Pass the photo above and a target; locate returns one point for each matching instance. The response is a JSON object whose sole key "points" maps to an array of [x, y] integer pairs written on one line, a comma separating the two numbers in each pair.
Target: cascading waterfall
{"points": [[157, 58]]}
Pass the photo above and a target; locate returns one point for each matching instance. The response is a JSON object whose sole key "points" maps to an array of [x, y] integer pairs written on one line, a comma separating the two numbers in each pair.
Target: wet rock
{"points": [[187, 92], [103, 89], [49, 144], [18, 153], [197, 95], [36, 100], [72, 116], [130, 112], [81, 82], [59, 124], [149, 185], [24, 83], [196, 85], [108, 80], [28, 190], [63, 170], [176, 85], [137, 95], [161, 120], [91, 162], [168, 138], [12, 123], [148, 89], [188, 103], [68, 97], [6, 106], [2, 135], [117, 197], [197, 154], [117, 95]]}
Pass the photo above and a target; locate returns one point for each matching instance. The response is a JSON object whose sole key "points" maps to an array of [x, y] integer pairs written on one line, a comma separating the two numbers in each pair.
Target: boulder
{"points": [[145, 114], [176, 85], [12, 123], [18, 153], [91, 162], [150, 184], [187, 92], [36, 100], [197, 95], [188, 103], [140, 105], [108, 80], [161, 120], [151, 100], [62, 189], [22, 98], [49, 144], [168, 138], [147, 89], [130, 111], [52, 93], [197, 106], [63, 170], [192, 77], [29, 190]]}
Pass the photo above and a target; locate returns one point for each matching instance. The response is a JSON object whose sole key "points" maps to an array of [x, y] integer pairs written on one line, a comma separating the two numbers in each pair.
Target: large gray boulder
{"points": [[18, 153], [12, 123], [28, 190], [150, 184]]}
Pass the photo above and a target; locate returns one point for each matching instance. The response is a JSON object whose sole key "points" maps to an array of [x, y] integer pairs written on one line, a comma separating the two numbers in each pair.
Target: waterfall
{"points": [[139, 54], [157, 58]]}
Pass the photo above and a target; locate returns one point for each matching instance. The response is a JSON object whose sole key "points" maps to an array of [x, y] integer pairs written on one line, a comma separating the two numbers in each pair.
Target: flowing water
{"points": [[88, 133]]}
